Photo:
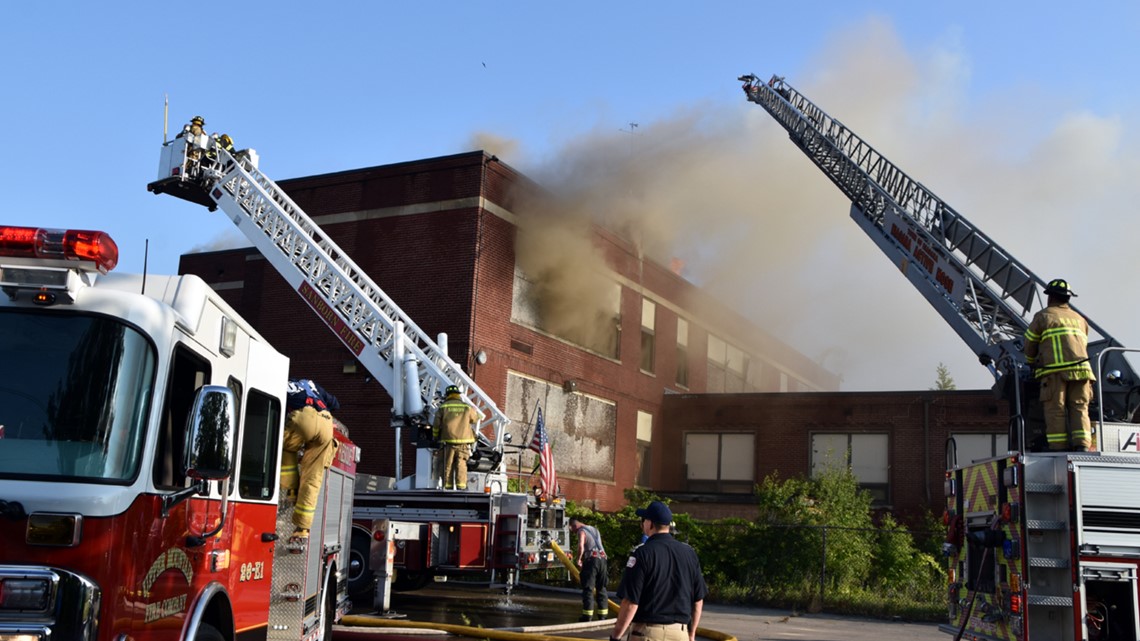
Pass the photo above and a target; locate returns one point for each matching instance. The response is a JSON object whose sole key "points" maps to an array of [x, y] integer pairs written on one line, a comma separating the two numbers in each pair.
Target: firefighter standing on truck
{"points": [[308, 425], [454, 429], [1056, 346]]}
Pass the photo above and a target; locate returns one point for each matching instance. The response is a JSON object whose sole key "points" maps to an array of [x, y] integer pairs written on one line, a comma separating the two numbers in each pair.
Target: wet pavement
{"points": [[486, 607], [553, 612]]}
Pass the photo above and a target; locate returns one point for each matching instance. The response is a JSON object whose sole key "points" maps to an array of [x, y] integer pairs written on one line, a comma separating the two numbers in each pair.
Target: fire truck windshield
{"points": [[74, 395]]}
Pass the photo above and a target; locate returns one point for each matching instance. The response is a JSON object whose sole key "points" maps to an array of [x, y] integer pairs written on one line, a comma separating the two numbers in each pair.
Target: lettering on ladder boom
{"points": [[329, 316], [945, 280], [923, 254]]}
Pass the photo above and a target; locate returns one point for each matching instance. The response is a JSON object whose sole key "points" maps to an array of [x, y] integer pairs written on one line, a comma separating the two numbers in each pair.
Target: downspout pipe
{"points": [[926, 447]]}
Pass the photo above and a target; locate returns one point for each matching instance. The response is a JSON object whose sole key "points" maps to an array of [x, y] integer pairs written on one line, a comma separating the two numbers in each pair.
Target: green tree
{"points": [[944, 382], [775, 560], [793, 513]]}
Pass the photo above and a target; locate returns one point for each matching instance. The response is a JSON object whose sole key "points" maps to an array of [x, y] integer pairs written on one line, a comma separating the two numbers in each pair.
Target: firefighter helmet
{"points": [[1059, 287], [226, 141], [198, 120], [451, 389]]}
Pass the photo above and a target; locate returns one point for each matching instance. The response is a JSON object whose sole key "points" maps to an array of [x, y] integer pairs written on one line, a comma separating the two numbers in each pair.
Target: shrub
{"points": [[805, 527]]}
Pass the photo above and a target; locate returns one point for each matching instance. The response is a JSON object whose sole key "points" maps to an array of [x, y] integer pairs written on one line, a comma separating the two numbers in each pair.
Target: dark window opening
{"points": [[258, 477], [188, 372]]}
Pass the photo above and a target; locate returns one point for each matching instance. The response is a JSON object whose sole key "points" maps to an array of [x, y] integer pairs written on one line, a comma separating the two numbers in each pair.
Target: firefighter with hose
{"points": [[592, 564]]}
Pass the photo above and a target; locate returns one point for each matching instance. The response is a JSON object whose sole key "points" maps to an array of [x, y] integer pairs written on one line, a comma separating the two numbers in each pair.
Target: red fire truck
{"points": [[140, 429]]}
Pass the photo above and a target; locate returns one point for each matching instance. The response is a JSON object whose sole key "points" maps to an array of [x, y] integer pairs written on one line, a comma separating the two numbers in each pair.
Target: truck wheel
{"points": [[329, 607], [361, 578], [207, 632]]}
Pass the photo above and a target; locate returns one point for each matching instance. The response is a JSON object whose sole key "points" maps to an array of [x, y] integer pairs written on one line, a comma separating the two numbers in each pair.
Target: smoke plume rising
{"points": [[720, 186]]}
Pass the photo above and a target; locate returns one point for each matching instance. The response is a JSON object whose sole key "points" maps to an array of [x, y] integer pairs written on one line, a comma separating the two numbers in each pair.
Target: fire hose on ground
{"points": [[501, 635]]}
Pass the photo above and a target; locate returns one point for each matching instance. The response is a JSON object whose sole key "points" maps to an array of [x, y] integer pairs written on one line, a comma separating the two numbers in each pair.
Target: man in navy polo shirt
{"points": [[662, 591]]}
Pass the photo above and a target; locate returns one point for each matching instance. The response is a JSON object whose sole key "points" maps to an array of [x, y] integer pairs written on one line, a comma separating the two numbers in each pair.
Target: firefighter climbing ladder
{"points": [[362, 316], [985, 295]]}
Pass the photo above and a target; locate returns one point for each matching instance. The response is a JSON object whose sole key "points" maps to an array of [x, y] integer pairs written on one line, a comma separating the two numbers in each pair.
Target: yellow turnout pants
{"points": [[455, 457], [1066, 405], [312, 430]]}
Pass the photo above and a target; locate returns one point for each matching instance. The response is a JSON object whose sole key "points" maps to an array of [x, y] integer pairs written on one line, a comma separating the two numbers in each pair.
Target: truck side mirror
{"points": [[210, 434]]}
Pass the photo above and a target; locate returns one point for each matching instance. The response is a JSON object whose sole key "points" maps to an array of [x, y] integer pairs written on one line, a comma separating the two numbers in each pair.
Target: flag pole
{"points": [[526, 440], [533, 422]]}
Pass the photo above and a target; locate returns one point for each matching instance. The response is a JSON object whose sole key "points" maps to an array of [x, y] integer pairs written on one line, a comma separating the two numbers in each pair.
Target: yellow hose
{"points": [[500, 635], [574, 571], [461, 630]]}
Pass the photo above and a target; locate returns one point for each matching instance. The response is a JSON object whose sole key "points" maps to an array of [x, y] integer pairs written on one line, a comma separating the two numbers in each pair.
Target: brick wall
{"points": [[917, 425], [419, 231]]}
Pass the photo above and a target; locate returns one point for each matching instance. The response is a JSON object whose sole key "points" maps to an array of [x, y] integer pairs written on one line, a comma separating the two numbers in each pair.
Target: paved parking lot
{"points": [[755, 624], [552, 613]]}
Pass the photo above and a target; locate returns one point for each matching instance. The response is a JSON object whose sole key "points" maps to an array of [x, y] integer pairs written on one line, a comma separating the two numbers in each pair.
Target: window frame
{"points": [[681, 376], [994, 451], [720, 484], [525, 312], [647, 359], [259, 450], [880, 491], [187, 372], [644, 477]]}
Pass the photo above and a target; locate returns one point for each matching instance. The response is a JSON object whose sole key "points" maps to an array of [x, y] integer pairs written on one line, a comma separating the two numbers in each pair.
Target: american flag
{"points": [[541, 444]]}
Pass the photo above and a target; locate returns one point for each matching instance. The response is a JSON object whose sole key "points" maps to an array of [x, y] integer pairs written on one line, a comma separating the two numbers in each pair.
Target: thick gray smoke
{"points": [[721, 187]]}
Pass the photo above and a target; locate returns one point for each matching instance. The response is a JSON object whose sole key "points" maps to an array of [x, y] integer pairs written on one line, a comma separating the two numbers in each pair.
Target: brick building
{"points": [[713, 448], [439, 236]]}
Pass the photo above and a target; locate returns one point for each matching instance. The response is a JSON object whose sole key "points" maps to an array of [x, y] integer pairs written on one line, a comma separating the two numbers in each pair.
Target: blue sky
{"points": [[1023, 118]]}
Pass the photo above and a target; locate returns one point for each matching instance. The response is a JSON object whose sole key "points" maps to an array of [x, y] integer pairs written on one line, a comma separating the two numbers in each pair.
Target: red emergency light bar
{"points": [[67, 244]]}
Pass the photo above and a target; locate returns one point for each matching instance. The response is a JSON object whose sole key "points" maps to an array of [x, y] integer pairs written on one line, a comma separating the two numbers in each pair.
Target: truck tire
{"points": [[328, 605], [207, 632], [361, 577]]}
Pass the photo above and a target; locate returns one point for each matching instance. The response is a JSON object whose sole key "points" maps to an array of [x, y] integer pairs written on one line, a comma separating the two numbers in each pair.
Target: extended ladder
{"points": [[361, 315], [986, 295]]}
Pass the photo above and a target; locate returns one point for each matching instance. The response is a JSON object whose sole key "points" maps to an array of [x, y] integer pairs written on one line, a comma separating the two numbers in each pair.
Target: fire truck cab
{"points": [[141, 425]]}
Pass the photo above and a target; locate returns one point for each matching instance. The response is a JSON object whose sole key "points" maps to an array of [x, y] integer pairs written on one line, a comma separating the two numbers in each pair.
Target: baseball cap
{"points": [[656, 512]]}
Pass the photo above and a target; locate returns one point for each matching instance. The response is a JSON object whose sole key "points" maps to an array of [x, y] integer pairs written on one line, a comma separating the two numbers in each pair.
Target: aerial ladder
{"points": [[487, 526], [1041, 546], [985, 294], [410, 365]]}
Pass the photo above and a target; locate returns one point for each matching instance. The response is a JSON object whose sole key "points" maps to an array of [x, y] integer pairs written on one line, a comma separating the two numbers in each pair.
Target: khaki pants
{"points": [[312, 430], [659, 632], [1066, 405], [455, 457]]}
